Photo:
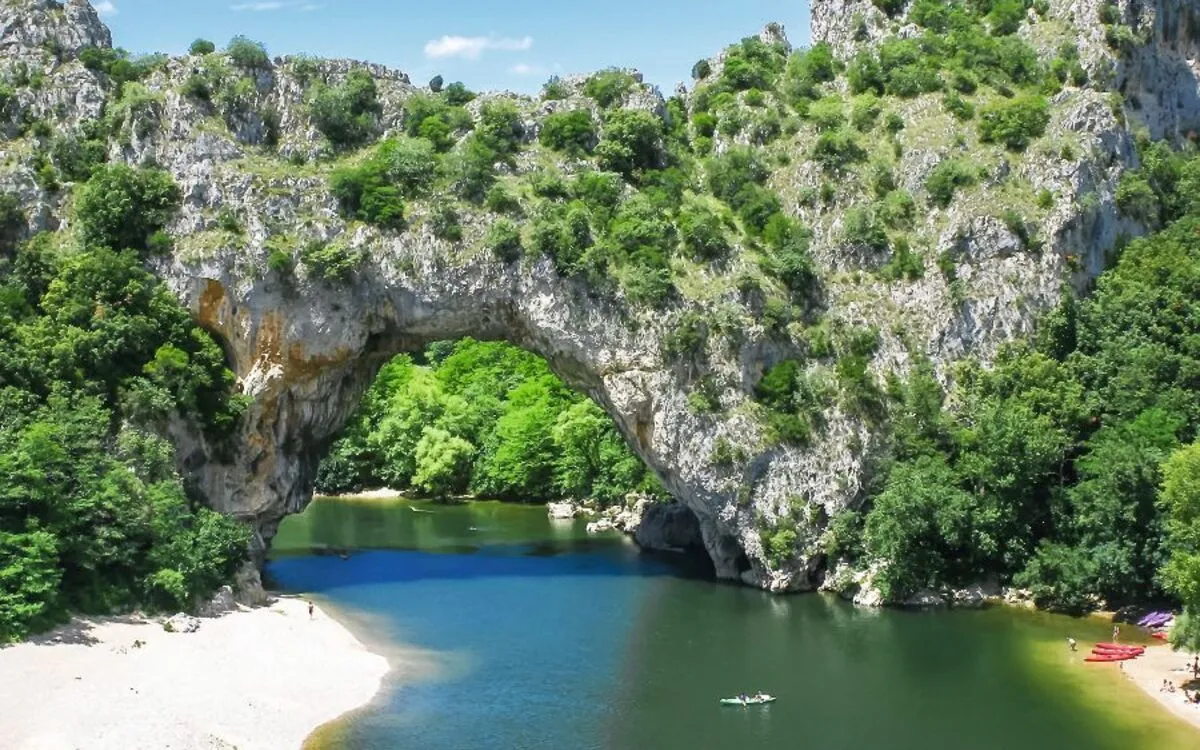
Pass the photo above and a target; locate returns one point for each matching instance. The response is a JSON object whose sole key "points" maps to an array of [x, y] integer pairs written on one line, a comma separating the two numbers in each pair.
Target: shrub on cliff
{"points": [[346, 114], [121, 207], [571, 132], [631, 143], [609, 87], [1015, 122], [202, 47], [947, 177], [247, 54]]}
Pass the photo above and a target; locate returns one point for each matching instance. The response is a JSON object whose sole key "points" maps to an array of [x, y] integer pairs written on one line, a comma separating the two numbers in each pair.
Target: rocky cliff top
{"points": [[916, 224]]}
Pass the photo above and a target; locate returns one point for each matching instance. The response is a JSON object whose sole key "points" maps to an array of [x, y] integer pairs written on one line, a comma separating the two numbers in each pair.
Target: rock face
{"points": [[304, 349]]}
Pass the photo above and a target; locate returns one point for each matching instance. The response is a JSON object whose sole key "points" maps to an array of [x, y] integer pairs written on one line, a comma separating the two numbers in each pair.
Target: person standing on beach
{"points": [[1196, 667], [310, 610]]}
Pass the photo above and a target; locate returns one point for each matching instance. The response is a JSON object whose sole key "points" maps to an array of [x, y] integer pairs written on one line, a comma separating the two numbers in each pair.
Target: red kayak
{"points": [[1101, 657], [1120, 647], [1126, 654], [1159, 636]]}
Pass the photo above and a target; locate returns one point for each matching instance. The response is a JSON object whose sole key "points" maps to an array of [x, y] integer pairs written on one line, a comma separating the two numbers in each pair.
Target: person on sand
{"points": [[310, 610], [1071, 643], [1196, 668]]}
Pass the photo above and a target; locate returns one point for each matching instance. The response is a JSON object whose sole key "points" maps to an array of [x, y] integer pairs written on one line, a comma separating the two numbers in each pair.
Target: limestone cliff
{"points": [[304, 348]]}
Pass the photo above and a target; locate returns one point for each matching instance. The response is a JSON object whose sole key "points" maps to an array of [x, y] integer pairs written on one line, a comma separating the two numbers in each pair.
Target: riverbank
{"points": [[1160, 663], [253, 679]]}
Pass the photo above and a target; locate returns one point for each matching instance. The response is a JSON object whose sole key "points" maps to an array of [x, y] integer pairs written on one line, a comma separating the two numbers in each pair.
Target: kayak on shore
{"points": [[1102, 657]]}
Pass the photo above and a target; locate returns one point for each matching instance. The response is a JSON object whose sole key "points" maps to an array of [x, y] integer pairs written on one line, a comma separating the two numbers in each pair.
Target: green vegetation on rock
{"points": [[97, 357]]}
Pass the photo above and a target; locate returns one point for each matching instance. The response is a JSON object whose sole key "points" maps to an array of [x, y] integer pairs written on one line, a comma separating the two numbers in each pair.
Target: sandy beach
{"points": [[254, 679], [1160, 663]]}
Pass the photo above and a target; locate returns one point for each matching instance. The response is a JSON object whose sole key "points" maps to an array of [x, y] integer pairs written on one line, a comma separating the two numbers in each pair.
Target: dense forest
{"points": [[1069, 467], [96, 355], [484, 418]]}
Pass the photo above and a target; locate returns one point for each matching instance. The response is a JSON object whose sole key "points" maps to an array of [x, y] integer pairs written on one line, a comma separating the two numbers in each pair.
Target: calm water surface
{"points": [[531, 635]]}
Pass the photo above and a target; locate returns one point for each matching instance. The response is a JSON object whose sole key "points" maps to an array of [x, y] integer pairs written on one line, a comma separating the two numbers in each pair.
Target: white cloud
{"points": [[472, 47], [106, 8]]}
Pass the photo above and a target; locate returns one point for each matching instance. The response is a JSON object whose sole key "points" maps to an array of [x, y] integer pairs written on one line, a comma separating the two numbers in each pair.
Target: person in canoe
{"points": [[760, 696]]}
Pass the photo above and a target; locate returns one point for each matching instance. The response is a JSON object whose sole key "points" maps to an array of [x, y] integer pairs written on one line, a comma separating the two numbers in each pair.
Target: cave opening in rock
{"points": [[471, 419]]}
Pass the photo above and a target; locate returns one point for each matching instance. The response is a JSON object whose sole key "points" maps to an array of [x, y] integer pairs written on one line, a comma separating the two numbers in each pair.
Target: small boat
{"points": [[1120, 647], [747, 701], [1159, 618], [1145, 621], [1105, 652], [1109, 657], [1160, 636], [419, 510]]}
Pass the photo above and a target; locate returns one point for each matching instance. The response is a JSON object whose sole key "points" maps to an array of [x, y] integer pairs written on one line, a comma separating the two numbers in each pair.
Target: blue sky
{"points": [[488, 44]]}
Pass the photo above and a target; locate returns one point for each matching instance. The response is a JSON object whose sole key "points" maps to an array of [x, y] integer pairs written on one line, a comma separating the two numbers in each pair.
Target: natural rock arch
{"points": [[305, 351]]}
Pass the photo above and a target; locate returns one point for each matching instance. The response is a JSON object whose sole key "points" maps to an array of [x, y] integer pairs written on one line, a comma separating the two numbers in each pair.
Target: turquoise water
{"points": [[539, 637]]}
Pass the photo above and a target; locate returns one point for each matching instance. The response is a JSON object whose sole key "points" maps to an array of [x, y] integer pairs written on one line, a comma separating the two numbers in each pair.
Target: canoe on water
{"points": [[748, 701]]}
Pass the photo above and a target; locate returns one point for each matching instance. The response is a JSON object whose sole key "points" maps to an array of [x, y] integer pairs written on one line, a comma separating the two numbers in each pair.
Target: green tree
{"points": [[443, 463], [121, 207]]}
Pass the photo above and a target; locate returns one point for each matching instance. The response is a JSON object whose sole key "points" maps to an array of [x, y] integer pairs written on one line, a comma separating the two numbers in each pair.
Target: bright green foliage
{"points": [[609, 87], [486, 418], [751, 64], [571, 132], [120, 207], [1015, 122], [702, 231], [332, 262], [837, 149], [862, 228], [202, 47], [247, 54], [94, 353], [947, 177], [346, 114], [117, 65], [788, 258], [77, 158], [631, 143], [473, 169], [443, 463], [1181, 576], [433, 118], [956, 105], [827, 113], [1050, 472], [373, 190], [457, 94], [555, 90], [806, 70], [504, 240]]}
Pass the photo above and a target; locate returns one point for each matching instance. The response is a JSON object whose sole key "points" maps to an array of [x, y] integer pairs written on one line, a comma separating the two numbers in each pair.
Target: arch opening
{"points": [[466, 419]]}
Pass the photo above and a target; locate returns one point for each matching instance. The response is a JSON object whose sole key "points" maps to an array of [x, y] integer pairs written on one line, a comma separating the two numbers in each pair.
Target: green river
{"points": [[509, 630]]}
